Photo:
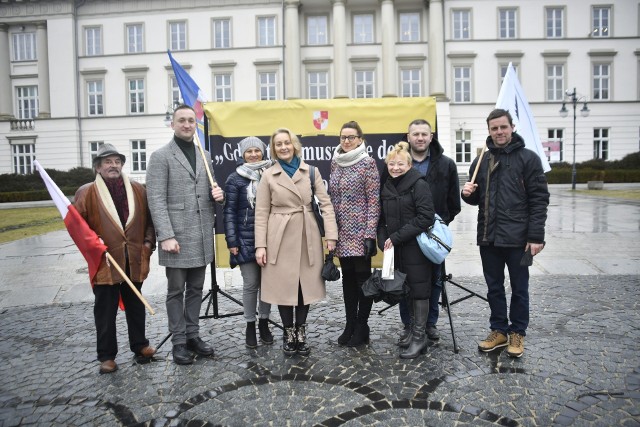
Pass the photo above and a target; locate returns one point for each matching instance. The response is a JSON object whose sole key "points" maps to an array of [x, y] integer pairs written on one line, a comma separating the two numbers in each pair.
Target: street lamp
{"points": [[574, 99]]}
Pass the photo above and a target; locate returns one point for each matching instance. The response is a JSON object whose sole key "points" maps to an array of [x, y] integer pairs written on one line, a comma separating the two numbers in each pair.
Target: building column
{"points": [[436, 50], [340, 68], [6, 111], [44, 104], [389, 83], [292, 50]]}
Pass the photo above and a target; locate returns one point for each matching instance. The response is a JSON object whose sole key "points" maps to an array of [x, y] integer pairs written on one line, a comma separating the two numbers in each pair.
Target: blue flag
{"points": [[191, 94]]}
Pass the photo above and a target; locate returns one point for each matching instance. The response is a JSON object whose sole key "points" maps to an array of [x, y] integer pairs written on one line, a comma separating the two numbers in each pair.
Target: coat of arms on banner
{"points": [[320, 119]]}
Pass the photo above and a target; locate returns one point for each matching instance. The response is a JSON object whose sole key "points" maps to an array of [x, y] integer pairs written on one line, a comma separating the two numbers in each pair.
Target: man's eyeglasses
{"points": [[351, 138]]}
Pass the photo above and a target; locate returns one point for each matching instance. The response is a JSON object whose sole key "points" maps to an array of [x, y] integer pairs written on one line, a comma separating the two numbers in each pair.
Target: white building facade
{"points": [[75, 74]]}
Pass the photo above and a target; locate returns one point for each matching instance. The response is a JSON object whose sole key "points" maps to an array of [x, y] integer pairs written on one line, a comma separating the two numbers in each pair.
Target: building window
{"points": [[409, 27], [410, 82], [503, 71], [138, 155], [463, 146], [135, 41], [136, 96], [462, 84], [461, 26], [221, 33], [93, 41], [27, 97], [555, 82], [601, 143], [175, 97], [601, 81], [23, 157], [318, 84], [507, 23], [364, 87], [178, 35], [24, 47], [317, 33], [267, 86], [363, 29], [601, 23], [222, 87], [555, 142], [555, 22], [95, 93], [267, 31], [94, 146]]}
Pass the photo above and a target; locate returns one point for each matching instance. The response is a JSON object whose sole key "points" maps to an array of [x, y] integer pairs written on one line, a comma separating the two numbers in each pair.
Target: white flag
{"points": [[512, 99]]}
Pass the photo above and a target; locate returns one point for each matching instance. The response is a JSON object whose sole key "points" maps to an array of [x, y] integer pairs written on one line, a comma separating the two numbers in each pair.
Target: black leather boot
{"points": [[405, 338], [265, 334], [250, 335], [350, 295], [360, 335], [301, 336], [348, 332], [418, 343], [289, 343]]}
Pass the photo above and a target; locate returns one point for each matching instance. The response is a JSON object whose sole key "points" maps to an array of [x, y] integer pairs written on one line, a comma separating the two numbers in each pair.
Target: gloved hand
{"points": [[370, 248]]}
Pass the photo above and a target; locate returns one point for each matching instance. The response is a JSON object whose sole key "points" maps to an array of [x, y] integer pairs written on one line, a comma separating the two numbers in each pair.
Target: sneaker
{"points": [[516, 345], [494, 340]]}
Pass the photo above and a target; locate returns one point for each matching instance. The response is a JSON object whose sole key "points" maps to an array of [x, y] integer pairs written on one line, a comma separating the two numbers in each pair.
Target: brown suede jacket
{"points": [[93, 201]]}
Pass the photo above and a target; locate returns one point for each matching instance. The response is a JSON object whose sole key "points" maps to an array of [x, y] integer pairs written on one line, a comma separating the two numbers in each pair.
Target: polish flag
{"points": [[87, 241]]}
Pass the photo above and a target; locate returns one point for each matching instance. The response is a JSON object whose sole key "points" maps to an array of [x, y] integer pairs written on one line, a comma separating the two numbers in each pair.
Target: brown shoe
{"points": [[493, 341], [516, 345], [108, 366], [147, 352]]}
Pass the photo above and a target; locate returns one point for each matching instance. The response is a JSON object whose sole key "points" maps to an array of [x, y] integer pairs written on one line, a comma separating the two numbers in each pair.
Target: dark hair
{"points": [[497, 113], [419, 122], [352, 125], [182, 107]]}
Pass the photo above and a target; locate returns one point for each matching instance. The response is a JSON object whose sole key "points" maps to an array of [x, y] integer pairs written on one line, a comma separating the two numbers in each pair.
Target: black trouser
{"points": [[286, 311], [355, 271], [105, 310]]}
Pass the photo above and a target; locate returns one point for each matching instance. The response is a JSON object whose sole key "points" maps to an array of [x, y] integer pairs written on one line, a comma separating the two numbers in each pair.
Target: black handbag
{"points": [[329, 270], [390, 291], [314, 204]]}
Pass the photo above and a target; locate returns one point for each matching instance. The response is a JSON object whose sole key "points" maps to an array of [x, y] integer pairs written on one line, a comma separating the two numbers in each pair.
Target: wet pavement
{"points": [[581, 365]]}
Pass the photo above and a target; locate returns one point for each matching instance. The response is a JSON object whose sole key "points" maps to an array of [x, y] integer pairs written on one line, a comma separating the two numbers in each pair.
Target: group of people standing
{"points": [[273, 236]]}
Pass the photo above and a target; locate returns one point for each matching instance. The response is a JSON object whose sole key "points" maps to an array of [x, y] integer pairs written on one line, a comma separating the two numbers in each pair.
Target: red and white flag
{"points": [[87, 241]]}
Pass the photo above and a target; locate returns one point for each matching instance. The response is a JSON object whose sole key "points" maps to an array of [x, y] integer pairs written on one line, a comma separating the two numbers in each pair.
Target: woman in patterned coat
{"points": [[354, 188]]}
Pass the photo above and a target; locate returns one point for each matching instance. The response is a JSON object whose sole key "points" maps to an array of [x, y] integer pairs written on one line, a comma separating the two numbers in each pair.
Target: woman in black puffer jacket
{"points": [[239, 211], [407, 211]]}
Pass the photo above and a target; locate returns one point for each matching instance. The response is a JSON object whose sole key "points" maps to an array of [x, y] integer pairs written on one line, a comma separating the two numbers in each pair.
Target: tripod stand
{"points": [[446, 304]]}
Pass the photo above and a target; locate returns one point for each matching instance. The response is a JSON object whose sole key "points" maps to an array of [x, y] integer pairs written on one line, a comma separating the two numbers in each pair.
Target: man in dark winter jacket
{"points": [[442, 175], [512, 198]]}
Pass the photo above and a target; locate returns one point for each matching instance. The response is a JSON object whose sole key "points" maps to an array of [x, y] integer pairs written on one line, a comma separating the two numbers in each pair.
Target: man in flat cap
{"points": [[116, 209]]}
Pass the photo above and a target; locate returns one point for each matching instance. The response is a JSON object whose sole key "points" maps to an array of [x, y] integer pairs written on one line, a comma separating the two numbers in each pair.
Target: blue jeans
{"points": [[494, 260], [436, 290]]}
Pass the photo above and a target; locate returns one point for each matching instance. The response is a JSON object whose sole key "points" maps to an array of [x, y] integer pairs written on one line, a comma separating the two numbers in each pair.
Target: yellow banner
{"points": [[308, 117]]}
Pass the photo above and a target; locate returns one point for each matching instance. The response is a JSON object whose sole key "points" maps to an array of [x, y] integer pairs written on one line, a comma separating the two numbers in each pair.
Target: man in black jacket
{"points": [[512, 197], [442, 175]]}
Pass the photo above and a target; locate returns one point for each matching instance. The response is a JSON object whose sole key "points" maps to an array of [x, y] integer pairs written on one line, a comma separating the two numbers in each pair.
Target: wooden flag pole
{"points": [[196, 139], [475, 172], [131, 285]]}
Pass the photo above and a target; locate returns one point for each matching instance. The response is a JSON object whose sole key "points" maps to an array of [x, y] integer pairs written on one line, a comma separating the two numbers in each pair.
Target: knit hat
{"points": [[251, 142]]}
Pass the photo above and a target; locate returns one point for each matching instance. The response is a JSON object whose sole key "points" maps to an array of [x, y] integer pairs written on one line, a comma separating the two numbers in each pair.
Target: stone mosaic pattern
{"points": [[581, 367]]}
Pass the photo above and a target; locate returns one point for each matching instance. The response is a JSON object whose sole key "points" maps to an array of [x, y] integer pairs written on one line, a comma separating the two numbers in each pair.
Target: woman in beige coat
{"points": [[288, 242]]}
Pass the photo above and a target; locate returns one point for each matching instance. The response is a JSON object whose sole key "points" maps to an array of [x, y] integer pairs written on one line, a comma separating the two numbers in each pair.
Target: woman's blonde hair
{"points": [[400, 149], [297, 146]]}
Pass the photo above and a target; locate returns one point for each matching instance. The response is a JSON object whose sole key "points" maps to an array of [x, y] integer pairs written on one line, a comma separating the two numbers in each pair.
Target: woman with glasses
{"points": [[288, 241], [354, 187], [407, 211]]}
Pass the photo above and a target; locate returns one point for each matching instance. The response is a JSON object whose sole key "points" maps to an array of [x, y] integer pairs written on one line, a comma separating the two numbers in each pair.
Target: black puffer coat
{"points": [[239, 219], [407, 211], [442, 177], [512, 199]]}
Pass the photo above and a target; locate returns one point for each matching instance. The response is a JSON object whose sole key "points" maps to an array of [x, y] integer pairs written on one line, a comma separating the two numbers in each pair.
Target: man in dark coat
{"points": [[441, 173], [512, 198]]}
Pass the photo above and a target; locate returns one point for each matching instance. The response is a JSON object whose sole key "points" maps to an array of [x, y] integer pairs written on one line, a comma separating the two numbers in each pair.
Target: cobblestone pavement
{"points": [[581, 366]]}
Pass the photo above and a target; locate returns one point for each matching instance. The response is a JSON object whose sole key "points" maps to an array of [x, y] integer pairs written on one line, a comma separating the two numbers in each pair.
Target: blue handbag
{"points": [[436, 242]]}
